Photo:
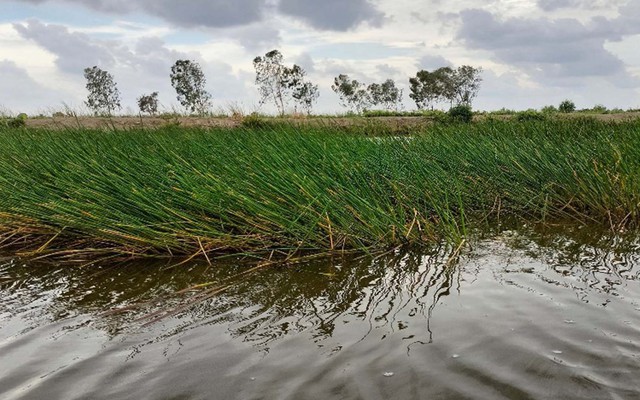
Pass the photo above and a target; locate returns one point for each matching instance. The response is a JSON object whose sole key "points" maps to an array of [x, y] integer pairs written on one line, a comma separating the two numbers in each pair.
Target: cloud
{"points": [[306, 62], [74, 51], [258, 38], [205, 13], [185, 13], [553, 5], [432, 62], [555, 51], [333, 15], [141, 67], [27, 95]]}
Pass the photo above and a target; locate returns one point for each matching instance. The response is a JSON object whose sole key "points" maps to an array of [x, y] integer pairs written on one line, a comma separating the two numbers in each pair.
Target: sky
{"points": [[533, 52]]}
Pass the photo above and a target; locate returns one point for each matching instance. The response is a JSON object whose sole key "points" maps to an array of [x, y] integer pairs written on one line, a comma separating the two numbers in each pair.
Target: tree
{"points": [[567, 106], [306, 95], [466, 82], [279, 84], [189, 82], [104, 96], [386, 95], [429, 88], [352, 93], [148, 103], [457, 86]]}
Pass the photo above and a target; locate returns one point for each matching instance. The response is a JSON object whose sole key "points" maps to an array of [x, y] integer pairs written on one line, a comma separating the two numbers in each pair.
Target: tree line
{"points": [[282, 85]]}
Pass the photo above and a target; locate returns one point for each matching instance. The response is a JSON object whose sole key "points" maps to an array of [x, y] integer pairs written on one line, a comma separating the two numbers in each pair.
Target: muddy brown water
{"points": [[522, 314]]}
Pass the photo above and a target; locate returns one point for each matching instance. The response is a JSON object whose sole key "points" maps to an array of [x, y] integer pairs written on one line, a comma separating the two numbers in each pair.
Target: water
{"points": [[520, 315]]}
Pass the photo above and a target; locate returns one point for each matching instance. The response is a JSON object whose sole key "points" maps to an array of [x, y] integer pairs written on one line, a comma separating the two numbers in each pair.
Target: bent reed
{"points": [[189, 191]]}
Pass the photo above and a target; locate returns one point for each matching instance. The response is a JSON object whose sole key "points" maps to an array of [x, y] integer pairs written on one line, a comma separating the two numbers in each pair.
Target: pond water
{"points": [[522, 314]]}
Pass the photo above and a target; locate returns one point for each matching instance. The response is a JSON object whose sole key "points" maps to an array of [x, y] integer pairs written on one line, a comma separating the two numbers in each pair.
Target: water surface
{"points": [[520, 315]]}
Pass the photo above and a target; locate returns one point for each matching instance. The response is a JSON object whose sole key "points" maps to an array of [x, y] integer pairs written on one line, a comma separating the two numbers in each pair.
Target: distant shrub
{"points": [[567, 106], [504, 111], [461, 113], [18, 122], [549, 110], [433, 114], [530, 115], [170, 115], [599, 109], [438, 116], [255, 121]]}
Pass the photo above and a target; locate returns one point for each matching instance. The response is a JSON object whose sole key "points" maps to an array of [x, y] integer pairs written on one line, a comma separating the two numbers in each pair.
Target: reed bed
{"points": [[287, 189]]}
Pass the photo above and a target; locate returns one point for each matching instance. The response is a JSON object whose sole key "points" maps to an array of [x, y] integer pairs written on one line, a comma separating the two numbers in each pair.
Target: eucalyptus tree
{"points": [[189, 82], [104, 96], [466, 84], [305, 95], [280, 84], [385, 94], [458, 86], [428, 88], [352, 94], [148, 103]]}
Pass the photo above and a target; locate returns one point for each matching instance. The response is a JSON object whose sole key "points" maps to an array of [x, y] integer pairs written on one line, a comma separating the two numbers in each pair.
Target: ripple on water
{"points": [[523, 315]]}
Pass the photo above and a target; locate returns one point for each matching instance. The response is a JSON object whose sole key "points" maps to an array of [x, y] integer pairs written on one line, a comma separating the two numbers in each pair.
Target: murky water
{"points": [[521, 315]]}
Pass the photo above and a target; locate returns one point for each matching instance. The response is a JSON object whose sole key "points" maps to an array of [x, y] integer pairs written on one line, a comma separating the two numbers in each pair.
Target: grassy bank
{"points": [[180, 190]]}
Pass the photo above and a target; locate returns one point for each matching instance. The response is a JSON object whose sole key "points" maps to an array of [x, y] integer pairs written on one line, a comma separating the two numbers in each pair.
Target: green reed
{"points": [[179, 190]]}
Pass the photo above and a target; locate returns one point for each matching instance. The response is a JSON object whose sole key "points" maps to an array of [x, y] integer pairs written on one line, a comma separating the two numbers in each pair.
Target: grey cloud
{"points": [[553, 5], [186, 13], [335, 15], [144, 67], [258, 38], [74, 51], [206, 13], [550, 50], [152, 55]]}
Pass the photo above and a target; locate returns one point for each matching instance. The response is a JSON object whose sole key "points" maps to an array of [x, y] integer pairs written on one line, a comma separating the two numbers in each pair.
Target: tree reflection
{"points": [[343, 298]]}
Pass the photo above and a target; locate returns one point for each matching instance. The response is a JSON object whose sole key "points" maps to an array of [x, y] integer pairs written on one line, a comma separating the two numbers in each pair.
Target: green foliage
{"points": [[104, 96], [189, 82], [352, 94], [531, 115], [549, 109], [567, 106], [455, 86], [503, 111], [386, 95], [19, 121], [148, 103], [255, 121], [466, 82], [394, 113], [599, 109], [429, 88], [461, 113], [280, 84], [182, 189]]}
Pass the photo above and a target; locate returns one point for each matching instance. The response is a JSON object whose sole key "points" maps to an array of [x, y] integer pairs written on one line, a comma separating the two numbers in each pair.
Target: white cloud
{"points": [[533, 51]]}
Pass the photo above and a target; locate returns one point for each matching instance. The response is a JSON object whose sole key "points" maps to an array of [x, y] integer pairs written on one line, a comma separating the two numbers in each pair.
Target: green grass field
{"points": [[184, 191]]}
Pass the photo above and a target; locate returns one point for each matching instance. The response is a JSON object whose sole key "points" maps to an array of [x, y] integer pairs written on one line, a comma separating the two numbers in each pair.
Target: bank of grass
{"points": [[188, 191]]}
